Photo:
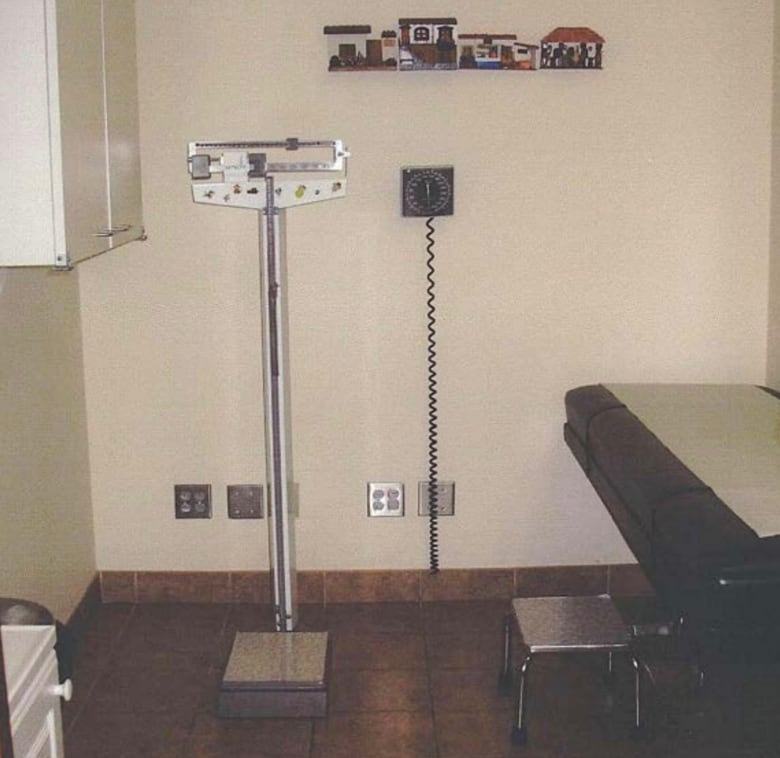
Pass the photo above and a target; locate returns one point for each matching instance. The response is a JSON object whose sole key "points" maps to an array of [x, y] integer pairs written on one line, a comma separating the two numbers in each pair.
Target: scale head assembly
{"points": [[242, 167]]}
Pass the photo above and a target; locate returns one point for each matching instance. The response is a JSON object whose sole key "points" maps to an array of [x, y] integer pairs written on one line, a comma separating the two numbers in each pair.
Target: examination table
{"points": [[690, 474]]}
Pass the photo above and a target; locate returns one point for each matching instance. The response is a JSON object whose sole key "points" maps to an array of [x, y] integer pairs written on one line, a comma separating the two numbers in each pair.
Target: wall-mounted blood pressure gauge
{"points": [[428, 191]]}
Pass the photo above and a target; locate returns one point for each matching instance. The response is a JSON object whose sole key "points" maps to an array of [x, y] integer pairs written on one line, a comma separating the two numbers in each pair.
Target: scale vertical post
{"points": [[275, 378], [279, 674]]}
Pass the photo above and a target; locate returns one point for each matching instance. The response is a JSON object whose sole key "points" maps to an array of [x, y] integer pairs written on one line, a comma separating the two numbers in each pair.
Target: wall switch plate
{"points": [[192, 500], [385, 499], [245, 501], [445, 499]]}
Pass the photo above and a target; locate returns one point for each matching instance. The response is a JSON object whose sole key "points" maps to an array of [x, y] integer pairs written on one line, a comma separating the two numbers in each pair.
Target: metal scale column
{"points": [[278, 473], [279, 673]]}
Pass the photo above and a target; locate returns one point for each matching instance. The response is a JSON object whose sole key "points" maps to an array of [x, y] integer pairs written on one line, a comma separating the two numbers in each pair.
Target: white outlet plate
{"points": [[385, 499], [445, 502]]}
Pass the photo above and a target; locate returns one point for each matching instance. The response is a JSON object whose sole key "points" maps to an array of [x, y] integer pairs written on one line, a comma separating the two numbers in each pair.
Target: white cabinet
{"points": [[69, 130], [34, 691]]}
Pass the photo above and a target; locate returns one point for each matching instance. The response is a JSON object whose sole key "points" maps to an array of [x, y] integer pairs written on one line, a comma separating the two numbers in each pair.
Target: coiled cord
{"points": [[433, 412]]}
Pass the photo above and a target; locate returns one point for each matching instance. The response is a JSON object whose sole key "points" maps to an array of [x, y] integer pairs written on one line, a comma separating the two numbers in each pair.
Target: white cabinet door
{"points": [[82, 125], [31, 218], [124, 160], [69, 128]]}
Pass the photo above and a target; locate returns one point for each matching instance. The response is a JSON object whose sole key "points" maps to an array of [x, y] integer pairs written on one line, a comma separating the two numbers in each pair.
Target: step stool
{"points": [[563, 625]]}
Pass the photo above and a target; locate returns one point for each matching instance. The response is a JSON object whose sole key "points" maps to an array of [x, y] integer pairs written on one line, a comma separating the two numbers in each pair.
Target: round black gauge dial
{"points": [[428, 191]]}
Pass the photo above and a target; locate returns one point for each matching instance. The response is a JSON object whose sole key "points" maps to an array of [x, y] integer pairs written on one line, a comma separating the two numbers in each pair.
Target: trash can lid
{"points": [[16, 612]]}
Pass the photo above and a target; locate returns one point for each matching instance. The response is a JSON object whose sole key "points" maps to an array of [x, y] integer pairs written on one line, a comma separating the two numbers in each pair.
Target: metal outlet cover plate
{"points": [[385, 499], [445, 502], [245, 501], [192, 501]]}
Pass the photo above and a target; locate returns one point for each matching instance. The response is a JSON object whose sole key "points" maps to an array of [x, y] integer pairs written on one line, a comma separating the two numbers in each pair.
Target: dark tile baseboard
{"points": [[377, 586]]}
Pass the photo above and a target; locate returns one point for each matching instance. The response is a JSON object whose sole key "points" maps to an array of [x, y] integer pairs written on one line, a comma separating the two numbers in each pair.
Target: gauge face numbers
{"points": [[428, 191]]}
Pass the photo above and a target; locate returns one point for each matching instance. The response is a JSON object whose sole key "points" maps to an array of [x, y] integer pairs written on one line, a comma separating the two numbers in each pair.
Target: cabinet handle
{"points": [[64, 690], [111, 231]]}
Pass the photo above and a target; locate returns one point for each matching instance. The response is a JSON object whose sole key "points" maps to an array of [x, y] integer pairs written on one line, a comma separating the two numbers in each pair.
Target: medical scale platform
{"points": [[276, 675]]}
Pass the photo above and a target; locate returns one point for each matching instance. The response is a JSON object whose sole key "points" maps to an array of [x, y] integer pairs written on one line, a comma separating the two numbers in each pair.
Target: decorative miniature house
{"points": [[572, 47], [351, 49], [346, 45], [389, 48], [496, 51], [427, 44]]}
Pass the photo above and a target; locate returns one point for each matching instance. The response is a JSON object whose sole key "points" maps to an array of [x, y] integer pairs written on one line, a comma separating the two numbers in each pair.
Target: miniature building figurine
{"points": [[346, 45], [496, 51], [572, 47], [389, 48], [525, 56], [427, 44], [351, 49]]}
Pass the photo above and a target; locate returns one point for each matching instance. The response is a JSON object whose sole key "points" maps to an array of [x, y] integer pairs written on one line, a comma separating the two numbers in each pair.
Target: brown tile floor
{"points": [[408, 681]]}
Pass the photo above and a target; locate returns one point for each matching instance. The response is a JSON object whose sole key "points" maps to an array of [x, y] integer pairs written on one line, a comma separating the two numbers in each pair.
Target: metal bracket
{"points": [[237, 163]]}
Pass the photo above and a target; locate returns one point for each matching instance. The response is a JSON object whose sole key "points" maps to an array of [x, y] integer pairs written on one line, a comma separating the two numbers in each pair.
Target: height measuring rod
{"points": [[247, 180]]}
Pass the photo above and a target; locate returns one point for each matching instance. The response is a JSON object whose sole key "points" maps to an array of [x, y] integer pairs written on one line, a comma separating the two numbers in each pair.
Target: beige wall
{"points": [[610, 226], [773, 331], [46, 536]]}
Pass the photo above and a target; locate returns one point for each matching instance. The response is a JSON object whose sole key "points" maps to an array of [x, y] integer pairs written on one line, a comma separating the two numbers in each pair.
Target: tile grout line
{"points": [[102, 669], [429, 679], [312, 728]]}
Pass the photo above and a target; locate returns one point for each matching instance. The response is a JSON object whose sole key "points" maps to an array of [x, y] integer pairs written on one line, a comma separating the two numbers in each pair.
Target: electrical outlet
{"points": [[385, 499], [445, 499], [245, 501], [192, 500]]}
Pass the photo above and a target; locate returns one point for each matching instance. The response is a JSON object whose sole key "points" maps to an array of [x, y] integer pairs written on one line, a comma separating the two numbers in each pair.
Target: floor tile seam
{"points": [[312, 735], [336, 711], [482, 669], [101, 669], [375, 632], [123, 629], [152, 648], [374, 669], [175, 715], [474, 631], [473, 710], [377, 671], [473, 669], [369, 633], [82, 707], [191, 727], [223, 631], [431, 698], [453, 629]]}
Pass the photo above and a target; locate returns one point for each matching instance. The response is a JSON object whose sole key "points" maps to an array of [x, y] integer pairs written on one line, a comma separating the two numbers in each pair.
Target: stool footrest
{"points": [[559, 625]]}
